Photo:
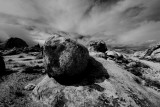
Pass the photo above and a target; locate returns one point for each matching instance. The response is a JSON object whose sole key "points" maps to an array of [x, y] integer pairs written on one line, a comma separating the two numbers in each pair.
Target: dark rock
{"points": [[2, 66], [15, 42], [36, 48], [97, 45], [33, 69], [154, 49], [64, 57]]}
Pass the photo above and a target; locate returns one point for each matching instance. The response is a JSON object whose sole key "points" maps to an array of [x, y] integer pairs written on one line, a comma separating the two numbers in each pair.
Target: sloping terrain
{"points": [[132, 82], [122, 89]]}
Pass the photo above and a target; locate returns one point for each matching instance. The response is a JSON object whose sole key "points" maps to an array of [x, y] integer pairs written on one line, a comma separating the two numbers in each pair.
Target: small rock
{"points": [[131, 64], [148, 57], [97, 54], [111, 54], [30, 87]]}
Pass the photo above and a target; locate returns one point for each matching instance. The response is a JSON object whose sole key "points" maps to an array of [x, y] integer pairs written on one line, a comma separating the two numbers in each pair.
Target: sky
{"points": [[124, 21]]}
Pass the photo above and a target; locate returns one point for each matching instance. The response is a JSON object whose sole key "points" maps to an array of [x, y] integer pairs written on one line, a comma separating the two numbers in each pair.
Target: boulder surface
{"points": [[98, 46], [64, 57], [15, 43]]}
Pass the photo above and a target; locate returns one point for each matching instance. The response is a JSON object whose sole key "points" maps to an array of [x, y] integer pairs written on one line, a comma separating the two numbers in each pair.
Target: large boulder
{"points": [[64, 57], [15, 43], [98, 46], [2, 66]]}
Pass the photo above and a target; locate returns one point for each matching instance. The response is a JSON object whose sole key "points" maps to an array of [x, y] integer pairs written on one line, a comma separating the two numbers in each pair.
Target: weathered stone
{"points": [[98, 46], [64, 57], [111, 54]]}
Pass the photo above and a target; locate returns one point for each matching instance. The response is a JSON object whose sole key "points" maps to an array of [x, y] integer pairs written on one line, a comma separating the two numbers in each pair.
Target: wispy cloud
{"points": [[124, 19]]}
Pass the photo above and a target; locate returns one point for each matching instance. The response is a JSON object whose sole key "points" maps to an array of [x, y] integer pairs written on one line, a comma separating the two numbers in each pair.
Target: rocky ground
{"points": [[115, 80]]}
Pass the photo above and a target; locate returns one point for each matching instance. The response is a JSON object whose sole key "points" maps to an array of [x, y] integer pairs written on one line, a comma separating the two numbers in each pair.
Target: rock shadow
{"points": [[94, 73]]}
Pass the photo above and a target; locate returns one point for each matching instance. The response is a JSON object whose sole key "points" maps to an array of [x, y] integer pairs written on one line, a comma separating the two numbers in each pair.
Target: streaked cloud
{"points": [[124, 19]]}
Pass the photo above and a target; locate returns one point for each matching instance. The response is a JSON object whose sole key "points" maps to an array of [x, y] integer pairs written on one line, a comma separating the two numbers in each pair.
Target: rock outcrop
{"points": [[15, 43], [152, 49], [98, 46], [64, 58], [153, 53]]}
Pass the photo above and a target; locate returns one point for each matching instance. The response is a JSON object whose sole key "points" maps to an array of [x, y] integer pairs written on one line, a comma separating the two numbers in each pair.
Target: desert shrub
{"points": [[12, 90]]}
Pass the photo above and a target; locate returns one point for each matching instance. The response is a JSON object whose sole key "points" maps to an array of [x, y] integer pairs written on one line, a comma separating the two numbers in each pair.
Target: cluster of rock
{"points": [[99, 48], [36, 48], [66, 61], [97, 45], [152, 53]]}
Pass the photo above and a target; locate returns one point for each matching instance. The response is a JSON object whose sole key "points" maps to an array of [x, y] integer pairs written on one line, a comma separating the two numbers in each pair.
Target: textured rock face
{"points": [[111, 54], [2, 66], [64, 57], [121, 90], [99, 46], [15, 42], [152, 49]]}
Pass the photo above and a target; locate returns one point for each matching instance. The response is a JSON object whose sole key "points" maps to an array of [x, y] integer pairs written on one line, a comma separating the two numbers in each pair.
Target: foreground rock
{"points": [[2, 66], [122, 89], [98, 46], [15, 43], [64, 58]]}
